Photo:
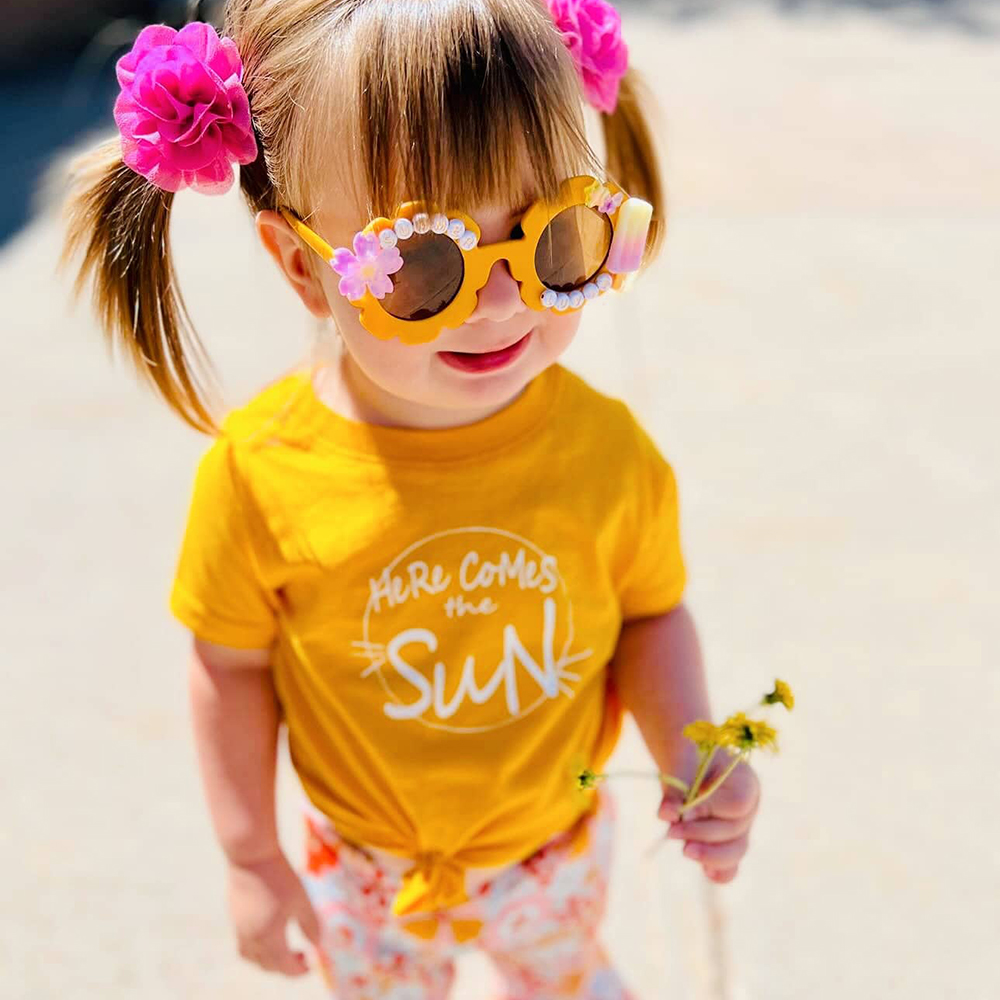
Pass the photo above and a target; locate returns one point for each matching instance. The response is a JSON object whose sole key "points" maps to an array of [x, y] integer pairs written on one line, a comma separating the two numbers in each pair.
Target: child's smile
{"points": [[488, 360]]}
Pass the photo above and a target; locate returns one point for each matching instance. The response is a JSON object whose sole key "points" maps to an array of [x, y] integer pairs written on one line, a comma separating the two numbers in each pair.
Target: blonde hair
{"points": [[439, 100]]}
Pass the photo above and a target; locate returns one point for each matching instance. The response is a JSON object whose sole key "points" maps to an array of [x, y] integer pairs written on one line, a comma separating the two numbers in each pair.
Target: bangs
{"points": [[458, 103]]}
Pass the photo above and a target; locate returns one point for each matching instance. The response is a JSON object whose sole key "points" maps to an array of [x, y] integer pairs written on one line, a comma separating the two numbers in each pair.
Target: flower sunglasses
{"points": [[569, 251]]}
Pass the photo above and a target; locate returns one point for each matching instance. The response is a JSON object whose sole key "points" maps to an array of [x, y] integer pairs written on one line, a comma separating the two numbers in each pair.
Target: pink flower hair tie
{"points": [[592, 31], [183, 114]]}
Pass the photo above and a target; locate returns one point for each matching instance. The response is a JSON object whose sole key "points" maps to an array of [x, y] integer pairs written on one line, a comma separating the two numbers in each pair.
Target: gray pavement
{"points": [[817, 353]]}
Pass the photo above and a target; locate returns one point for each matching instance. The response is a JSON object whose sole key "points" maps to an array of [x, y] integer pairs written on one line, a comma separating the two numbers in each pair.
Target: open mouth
{"points": [[487, 361]]}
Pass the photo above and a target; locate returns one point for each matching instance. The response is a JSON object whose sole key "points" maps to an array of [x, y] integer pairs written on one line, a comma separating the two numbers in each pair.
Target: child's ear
{"points": [[290, 255]]}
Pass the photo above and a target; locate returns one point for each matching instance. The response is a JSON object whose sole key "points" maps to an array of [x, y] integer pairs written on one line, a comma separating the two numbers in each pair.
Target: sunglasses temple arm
{"points": [[316, 242]]}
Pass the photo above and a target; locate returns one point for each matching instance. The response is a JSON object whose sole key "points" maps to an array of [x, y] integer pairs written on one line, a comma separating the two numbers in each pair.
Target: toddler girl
{"points": [[441, 560]]}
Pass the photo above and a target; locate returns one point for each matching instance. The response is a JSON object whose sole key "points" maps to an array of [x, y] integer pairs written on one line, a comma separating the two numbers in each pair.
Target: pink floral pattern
{"points": [[540, 920], [592, 31], [183, 114], [599, 197], [368, 267]]}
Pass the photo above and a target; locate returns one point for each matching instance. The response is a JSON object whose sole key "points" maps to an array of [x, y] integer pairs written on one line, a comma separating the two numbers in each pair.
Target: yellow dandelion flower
{"points": [[740, 733], [587, 779], [782, 693], [704, 734], [578, 763]]}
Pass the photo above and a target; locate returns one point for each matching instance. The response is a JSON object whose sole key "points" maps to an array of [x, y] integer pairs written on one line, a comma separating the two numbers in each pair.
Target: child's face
{"points": [[484, 362], [475, 368]]}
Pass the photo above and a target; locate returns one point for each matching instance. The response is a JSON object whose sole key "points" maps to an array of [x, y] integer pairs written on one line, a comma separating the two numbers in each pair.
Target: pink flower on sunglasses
{"points": [[182, 112], [368, 267], [599, 197]]}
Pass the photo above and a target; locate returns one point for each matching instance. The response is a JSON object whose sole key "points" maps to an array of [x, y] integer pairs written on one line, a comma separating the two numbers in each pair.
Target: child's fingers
{"points": [[271, 953], [736, 797], [294, 964], [711, 830], [670, 805], [722, 875], [718, 855], [287, 962], [307, 919]]}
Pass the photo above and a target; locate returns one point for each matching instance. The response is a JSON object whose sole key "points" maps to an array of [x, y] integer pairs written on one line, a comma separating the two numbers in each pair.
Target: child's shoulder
{"points": [[578, 396], [598, 421], [269, 415]]}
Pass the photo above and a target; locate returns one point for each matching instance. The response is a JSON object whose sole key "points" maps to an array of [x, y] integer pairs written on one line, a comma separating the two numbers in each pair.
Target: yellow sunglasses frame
{"points": [[479, 261]]}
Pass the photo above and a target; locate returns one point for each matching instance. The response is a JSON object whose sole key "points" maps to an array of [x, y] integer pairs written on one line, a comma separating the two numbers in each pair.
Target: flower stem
{"points": [[669, 779], [718, 781], [629, 774], [666, 779], [700, 773]]}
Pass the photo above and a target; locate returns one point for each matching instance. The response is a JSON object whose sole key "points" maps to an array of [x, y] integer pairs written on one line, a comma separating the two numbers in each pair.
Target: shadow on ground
{"points": [[57, 82], [44, 111]]}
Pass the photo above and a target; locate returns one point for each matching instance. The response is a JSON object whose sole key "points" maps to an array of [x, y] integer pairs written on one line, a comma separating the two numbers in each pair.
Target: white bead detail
{"points": [[421, 223], [387, 239], [549, 298], [576, 298], [404, 228], [468, 240], [604, 281], [456, 229], [590, 290], [562, 302], [439, 224]]}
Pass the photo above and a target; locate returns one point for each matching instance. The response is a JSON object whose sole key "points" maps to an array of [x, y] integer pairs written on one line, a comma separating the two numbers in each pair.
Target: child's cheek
{"points": [[390, 363], [555, 333]]}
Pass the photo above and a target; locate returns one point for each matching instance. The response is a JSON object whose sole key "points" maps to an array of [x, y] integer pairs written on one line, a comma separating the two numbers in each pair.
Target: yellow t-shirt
{"points": [[442, 606]]}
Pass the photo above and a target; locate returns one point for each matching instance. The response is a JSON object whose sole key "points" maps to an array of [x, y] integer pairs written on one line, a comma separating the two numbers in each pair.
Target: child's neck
{"points": [[340, 384]]}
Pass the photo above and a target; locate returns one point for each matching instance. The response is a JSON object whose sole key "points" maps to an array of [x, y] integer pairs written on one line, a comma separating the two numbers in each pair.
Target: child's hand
{"points": [[716, 831], [263, 897]]}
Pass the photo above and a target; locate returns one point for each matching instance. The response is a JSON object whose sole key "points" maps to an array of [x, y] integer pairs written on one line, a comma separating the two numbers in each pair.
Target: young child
{"points": [[446, 564]]}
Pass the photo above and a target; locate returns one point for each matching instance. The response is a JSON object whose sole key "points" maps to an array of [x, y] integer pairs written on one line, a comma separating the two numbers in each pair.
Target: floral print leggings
{"points": [[537, 920]]}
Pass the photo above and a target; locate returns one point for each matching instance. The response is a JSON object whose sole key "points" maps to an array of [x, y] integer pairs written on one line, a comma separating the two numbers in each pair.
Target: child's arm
{"points": [[660, 679], [235, 715], [659, 676]]}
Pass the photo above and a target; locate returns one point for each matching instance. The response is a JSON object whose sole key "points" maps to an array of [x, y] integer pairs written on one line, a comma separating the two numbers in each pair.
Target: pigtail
{"points": [[632, 160], [120, 222]]}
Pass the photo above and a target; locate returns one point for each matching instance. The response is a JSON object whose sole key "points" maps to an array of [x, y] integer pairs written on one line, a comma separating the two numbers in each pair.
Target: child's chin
{"points": [[488, 388]]}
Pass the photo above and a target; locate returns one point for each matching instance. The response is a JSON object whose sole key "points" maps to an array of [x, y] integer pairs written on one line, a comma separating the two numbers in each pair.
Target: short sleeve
{"points": [[218, 592], [654, 578]]}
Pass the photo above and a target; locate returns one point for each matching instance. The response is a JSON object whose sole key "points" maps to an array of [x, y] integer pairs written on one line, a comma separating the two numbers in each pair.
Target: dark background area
{"points": [[57, 81]]}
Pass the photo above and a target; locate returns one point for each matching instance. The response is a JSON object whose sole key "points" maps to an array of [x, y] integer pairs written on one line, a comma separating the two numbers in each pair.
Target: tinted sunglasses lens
{"points": [[429, 279], [572, 248]]}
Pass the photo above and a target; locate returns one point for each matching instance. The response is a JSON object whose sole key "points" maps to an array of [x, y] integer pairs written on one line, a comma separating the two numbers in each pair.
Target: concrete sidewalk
{"points": [[817, 354]]}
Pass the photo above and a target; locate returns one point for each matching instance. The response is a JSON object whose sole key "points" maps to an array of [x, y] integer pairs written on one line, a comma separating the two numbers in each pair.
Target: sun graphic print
{"points": [[468, 630]]}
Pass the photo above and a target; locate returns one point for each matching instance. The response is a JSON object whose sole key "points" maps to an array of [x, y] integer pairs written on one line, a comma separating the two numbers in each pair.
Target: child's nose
{"points": [[500, 297]]}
